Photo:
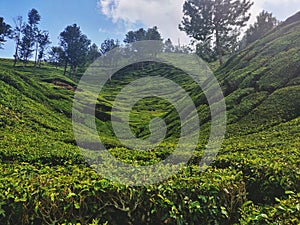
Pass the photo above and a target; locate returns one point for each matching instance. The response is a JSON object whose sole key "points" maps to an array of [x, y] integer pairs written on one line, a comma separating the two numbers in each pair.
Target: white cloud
{"points": [[167, 14]]}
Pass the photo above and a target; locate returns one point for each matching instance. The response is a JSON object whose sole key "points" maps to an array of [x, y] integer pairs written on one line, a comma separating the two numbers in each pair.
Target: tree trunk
{"points": [[36, 54], [220, 56], [219, 47], [16, 54], [71, 72], [65, 69], [74, 73]]}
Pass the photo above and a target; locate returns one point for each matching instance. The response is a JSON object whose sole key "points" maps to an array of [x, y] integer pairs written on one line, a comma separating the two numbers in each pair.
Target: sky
{"points": [[102, 19]]}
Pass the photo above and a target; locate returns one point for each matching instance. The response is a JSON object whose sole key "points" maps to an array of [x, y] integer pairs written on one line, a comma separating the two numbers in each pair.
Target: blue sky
{"points": [[101, 19], [57, 14]]}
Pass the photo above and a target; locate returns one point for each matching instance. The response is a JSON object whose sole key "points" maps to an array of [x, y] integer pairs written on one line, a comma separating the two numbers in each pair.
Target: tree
{"points": [[33, 20], [108, 45], [205, 51], [265, 22], [26, 44], [153, 34], [142, 35], [75, 46], [182, 49], [43, 42], [217, 22], [133, 36], [29, 42], [5, 31], [16, 35], [93, 53], [130, 37], [169, 47], [57, 56]]}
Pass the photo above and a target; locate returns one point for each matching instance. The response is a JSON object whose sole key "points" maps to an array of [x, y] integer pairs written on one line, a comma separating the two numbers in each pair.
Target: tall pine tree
{"points": [[33, 20], [30, 40], [215, 23]]}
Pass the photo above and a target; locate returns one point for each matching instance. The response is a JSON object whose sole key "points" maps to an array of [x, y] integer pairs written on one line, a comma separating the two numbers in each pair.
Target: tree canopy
{"points": [[75, 45], [215, 24], [16, 36], [26, 43], [107, 45], [265, 22], [94, 53], [43, 42], [57, 56], [31, 37], [33, 17], [5, 31], [142, 35]]}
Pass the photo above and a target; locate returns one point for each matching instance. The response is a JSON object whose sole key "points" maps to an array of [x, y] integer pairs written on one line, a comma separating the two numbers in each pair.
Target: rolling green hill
{"points": [[255, 179], [262, 82]]}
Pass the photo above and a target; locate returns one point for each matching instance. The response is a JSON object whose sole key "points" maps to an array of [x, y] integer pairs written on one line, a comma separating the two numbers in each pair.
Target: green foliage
{"points": [[215, 24], [206, 52], [254, 179], [260, 82], [285, 211], [75, 46], [43, 40], [57, 56], [5, 31], [41, 194], [27, 43], [142, 35], [268, 167], [32, 37], [94, 53], [108, 45], [264, 24]]}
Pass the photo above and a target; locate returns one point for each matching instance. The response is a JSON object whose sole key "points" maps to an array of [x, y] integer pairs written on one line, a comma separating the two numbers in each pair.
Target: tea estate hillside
{"points": [[255, 179]]}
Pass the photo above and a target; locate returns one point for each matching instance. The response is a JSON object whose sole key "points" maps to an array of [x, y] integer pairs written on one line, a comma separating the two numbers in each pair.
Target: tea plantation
{"points": [[255, 179]]}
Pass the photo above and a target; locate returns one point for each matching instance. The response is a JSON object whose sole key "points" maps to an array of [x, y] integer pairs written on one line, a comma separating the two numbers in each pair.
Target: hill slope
{"points": [[254, 180], [262, 82]]}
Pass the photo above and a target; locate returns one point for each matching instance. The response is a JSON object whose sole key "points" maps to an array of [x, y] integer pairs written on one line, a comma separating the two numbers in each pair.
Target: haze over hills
{"points": [[255, 175]]}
